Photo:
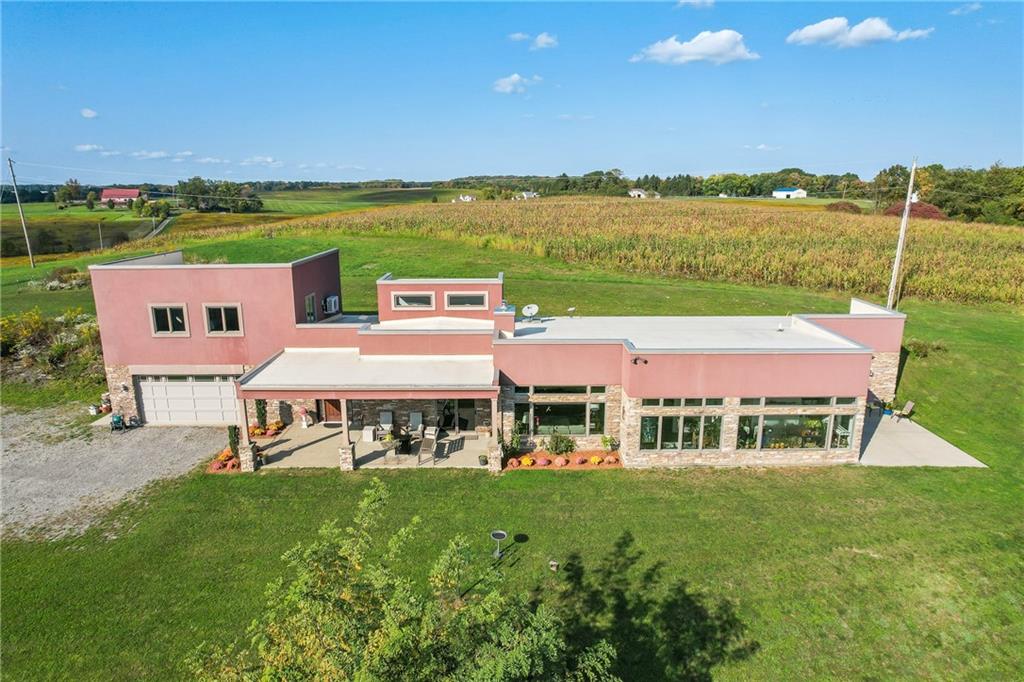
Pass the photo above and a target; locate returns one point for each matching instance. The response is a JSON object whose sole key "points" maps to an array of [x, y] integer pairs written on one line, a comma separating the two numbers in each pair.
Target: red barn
{"points": [[119, 196]]}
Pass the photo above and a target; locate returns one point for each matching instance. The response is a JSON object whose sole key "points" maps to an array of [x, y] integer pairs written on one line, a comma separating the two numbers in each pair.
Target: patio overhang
{"points": [[345, 373]]}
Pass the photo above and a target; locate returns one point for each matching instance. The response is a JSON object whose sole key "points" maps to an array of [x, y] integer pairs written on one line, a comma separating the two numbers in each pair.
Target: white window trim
{"points": [[396, 306], [448, 306], [172, 334], [306, 307], [206, 319]]}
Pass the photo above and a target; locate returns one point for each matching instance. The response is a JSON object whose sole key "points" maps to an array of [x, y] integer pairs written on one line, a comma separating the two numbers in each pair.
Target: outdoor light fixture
{"points": [[498, 536], [639, 361]]}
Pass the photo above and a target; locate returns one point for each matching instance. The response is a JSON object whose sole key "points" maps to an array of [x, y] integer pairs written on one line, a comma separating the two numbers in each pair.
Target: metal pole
{"points": [[24, 228], [99, 226], [902, 240]]}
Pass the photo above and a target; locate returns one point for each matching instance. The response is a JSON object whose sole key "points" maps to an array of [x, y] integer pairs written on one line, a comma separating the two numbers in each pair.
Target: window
{"points": [[169, 320], [471, 301], [522, 417], [560, 390], [671, 402], [845, 401], [694, 402], [223, 319], [648, 433], [661, 402], [712, 433], [793, 431], [691, 433], [311, 308], [711, 402], [750, 401], [424, 301], [596, 423], [651, 402], [670, 433], [598, 390], [746, 435], [842, 430], [797, 401], [521, 390], [566, 418]]}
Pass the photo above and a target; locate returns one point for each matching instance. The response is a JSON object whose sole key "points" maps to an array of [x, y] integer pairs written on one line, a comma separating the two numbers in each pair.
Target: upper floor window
{"points": [[223, 319], [424, 301], [169, 320], [465, 300], [311, 307]]}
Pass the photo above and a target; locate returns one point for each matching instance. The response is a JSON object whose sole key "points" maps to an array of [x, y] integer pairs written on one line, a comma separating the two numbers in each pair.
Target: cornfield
{"points": [[709, 241]]}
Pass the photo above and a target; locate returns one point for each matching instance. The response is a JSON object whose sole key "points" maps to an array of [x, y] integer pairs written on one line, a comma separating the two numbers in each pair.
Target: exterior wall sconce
{"points": [[639, 361]]}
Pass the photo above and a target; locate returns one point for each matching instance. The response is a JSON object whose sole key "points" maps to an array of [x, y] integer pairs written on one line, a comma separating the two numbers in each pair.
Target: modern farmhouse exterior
{"points": [[199, 343]]}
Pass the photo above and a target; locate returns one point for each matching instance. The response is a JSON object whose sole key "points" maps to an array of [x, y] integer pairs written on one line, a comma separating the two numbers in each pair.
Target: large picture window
{"points": [[649, 433], [794, 431], [596, 424], [223, 319], [675, 432], [566, 418], [842, 430], [169, 320], [560, 390], [746, 435]]}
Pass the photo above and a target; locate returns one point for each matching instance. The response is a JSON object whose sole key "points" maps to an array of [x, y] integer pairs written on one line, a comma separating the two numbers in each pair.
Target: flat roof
{"points": [[687, 334], [346, 368], [175, 259], [437, 323]]}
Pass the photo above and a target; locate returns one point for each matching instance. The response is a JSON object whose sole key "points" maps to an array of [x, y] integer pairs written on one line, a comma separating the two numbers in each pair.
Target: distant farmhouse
{"points": [[637, 193], [464, 197], [789, 193], [120, 197], [526, 195]]}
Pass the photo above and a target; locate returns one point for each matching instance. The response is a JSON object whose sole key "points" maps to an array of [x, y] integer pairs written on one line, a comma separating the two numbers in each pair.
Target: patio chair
{"points": [[428, 444], [905, 413], [386, 423], [416, 424]]}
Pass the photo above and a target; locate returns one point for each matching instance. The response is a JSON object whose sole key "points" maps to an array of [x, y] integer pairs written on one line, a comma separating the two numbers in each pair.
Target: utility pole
{"points": [[24, 228], [99, 226], [902, 240]]}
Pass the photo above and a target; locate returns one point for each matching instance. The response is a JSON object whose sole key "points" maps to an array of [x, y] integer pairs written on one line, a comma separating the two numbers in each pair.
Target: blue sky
{"points": [[132, 92]]}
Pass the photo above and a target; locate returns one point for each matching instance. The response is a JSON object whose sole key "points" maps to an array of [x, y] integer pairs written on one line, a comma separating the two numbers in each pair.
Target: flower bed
{"points": [[581, 459], [273, 428], [224, 463]]}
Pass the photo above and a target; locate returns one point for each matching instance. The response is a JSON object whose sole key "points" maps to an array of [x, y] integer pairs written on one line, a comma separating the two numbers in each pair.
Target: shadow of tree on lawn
{"points": [[660, 631]]}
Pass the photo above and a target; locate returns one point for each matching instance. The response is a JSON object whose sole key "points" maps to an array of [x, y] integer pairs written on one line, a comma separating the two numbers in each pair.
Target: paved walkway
{"points": [[891, 443]]}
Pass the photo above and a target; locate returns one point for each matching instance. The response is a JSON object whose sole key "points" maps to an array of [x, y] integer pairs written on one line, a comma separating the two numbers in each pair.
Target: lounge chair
{"points": [[386, 423], [416, 424], [428, 444], [905, 413]]}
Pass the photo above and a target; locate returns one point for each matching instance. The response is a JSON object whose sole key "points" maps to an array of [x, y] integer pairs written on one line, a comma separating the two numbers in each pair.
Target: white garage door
{"points": [[188, 399]]}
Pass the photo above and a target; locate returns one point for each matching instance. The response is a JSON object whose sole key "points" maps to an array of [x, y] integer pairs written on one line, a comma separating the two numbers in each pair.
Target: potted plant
{"points": [[483, 460], [609, 443]]}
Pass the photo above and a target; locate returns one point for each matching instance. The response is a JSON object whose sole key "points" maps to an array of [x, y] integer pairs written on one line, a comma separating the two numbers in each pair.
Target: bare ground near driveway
{"points": [[58, 475]]}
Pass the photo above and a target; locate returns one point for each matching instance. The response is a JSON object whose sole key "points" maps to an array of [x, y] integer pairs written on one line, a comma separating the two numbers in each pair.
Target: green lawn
{"points": [[73, 228], [808, 204], [836, 573]]}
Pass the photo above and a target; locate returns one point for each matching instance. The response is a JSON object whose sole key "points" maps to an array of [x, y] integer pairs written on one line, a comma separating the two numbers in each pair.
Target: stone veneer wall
{"points": [[366, 412], [612, 398], [728, 454], [121, 401], [285, 410], [885, 369]]}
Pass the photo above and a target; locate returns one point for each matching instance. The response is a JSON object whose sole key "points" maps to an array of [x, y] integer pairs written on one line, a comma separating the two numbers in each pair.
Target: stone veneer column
{"points": [[730, 424], [346, 457], [629, 431], [885, 368], [122, 391]]}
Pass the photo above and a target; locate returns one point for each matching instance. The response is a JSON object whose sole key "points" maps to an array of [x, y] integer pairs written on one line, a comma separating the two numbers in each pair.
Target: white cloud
{"points": [[837, 31], [350, 167], [181, 156], [695, 3], [762, 147], [717, 47], [88, 148], [150, 155], [518, 36], [514, 83], [965, 9], [543, 41], [575, 117], [268, 161], [211, 159], [110, 152], [88, 113]]}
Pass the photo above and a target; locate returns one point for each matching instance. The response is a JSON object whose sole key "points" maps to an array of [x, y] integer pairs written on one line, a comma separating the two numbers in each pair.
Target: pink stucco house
{"points": [[198, 343]]}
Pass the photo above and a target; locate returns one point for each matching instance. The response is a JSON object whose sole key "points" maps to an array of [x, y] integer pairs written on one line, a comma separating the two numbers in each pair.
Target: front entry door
{"points": [[332, 411]]}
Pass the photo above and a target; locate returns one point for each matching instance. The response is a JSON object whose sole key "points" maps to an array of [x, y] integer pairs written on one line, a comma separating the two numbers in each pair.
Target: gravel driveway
{"points": [[57, 477]]}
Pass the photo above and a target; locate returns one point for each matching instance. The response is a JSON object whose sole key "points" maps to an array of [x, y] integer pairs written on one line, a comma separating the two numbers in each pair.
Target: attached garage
{"points": [[187, 399]]}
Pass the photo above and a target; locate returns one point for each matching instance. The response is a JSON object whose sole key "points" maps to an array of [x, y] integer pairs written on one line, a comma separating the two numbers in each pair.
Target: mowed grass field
{"points": [[836, 573], [74, 228]]}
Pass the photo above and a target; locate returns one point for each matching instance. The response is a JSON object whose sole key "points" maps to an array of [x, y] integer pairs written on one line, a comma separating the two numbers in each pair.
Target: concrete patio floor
{"points": [[317, 447], [891, 443]]}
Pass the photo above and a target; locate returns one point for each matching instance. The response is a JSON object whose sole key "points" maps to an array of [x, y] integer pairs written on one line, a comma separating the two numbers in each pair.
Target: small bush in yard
{"points": [[513, 463], [261, 413], [612, 460], [561, 461], [233, 440], [543, 462], [920, 209], [526, 461], [596, 459], [581, 461], [560, 444], [843, 207]]}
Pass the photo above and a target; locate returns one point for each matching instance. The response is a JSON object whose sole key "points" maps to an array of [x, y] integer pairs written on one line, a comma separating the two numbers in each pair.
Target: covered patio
{"points": [[374, 410]]}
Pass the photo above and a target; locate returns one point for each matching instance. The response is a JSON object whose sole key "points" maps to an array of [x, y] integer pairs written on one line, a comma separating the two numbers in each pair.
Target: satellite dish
{"points": [[531, 309]]}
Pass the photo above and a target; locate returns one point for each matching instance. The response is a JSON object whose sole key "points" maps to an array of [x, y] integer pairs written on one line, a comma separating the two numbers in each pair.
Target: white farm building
{"points": [[789, 193]]}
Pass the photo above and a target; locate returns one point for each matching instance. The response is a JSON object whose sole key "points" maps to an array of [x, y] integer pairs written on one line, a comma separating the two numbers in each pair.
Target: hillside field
{"points": [[72, 229]]}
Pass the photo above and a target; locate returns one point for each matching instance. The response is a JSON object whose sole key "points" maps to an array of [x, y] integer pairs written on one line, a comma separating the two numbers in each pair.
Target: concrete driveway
{"points": [[891, 443], [58, 476]]}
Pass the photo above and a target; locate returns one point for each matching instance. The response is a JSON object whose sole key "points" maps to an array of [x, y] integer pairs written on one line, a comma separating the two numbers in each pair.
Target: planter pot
{"points": [[887, 411], [93, 410], [483, 460]]}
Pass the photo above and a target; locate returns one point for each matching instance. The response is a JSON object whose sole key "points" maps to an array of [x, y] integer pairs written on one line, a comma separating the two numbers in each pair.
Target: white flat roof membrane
{"points": [[755, 333], [313, 368]]}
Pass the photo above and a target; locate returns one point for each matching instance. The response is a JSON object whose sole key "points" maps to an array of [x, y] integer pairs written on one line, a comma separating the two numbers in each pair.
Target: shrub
{"points": [[233, 440], [61, 274], [560, 444], [581, 461], [609, 443], [596, 459], [921, 349], [513, 463], [843, 207], [561, 461], [612, 460], [543, 462], [921, 209], [526, 461], [261, 413]]}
